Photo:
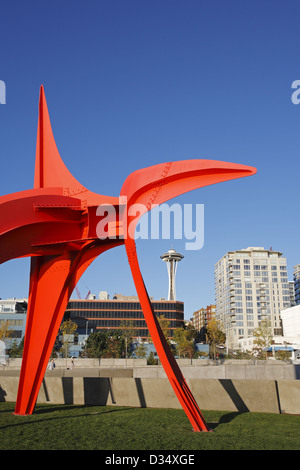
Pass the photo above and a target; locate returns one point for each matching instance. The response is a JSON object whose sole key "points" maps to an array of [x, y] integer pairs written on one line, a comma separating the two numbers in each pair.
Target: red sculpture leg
{"points": [[46, 306], [166, 357], [52, 281]]}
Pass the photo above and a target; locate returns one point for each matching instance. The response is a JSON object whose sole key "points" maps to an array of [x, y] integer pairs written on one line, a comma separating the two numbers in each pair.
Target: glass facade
{"points": [[112, 314]]}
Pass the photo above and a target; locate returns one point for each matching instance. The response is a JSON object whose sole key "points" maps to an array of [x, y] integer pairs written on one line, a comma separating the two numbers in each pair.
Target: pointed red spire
{"points": [[50, 170]]}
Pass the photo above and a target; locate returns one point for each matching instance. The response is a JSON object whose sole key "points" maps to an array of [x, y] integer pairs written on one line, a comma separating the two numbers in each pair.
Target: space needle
{"points": [[172, 258]]}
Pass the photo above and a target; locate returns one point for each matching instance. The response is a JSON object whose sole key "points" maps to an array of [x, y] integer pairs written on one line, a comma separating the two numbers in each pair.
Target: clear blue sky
{"points": [[132, 83]]}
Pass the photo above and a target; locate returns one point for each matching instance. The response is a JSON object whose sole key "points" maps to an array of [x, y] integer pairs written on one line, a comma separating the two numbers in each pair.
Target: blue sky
{"points": [[133, 83]]}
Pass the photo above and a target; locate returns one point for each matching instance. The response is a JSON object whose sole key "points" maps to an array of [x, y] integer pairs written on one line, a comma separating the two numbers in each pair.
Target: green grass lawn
{"points": [[63, 427]]}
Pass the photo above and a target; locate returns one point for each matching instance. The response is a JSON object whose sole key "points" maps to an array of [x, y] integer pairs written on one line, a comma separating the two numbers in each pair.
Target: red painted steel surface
{"points": [[56, 225]]}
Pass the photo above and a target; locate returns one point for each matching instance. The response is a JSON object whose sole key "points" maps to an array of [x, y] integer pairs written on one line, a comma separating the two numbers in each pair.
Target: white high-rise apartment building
{"points": [[250, 285]]}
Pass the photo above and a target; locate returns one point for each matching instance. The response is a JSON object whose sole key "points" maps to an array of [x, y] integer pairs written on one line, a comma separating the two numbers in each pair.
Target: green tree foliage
{"points": [[151, 361], [180, 339], [215, 335], [67, 330], [16, 350], [191, 333], [5, 330], [128, 329], [262, 340], [106, 343], [164, 324], [96, 344], [116, 345], [141, 351], [283, 355], [184, 339]]}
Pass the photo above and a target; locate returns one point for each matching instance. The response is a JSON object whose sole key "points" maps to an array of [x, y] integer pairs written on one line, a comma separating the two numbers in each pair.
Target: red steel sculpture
{"points": [[56, 225]]}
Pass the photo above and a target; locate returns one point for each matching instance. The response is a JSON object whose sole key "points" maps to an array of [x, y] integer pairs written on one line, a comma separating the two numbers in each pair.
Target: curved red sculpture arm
{"points": [[159, 183], [156, 185]]}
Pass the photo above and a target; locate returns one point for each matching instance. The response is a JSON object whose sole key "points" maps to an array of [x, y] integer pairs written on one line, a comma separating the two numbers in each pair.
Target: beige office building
{"points": [[250, 285]]}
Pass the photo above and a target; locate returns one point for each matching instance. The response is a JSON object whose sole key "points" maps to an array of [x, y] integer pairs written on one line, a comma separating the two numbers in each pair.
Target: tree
{"points": [[262, 339], [164, 323], [115, 345], [67, 329], [141, 351], [5, 330], [151, 361], [180, 339], [184, 339], [16, 350], [128, 329], [191, 333], [283, 355], [215, 335], [106, 343], [202, 335], [96, 344], [188, 349]]}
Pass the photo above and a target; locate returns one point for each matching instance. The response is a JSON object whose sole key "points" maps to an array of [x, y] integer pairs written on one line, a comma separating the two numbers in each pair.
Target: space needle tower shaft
{"points": [[172, 258]]}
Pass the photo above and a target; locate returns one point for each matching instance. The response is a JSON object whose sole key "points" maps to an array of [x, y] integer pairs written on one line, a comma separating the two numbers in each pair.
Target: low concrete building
{"points": [[14, 312]]}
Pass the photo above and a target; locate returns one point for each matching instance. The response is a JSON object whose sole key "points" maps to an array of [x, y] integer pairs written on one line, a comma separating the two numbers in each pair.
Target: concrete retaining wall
{"points": [[121, 389], [83, 363], [231, 386], [227, 371], [195, 369]]}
